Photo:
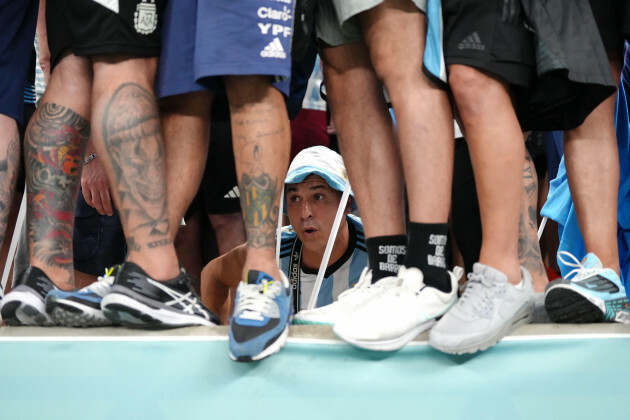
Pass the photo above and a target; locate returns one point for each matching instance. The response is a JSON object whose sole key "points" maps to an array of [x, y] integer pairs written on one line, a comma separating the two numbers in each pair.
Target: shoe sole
{"points": [[66, 313], [273, 348], [388, 345], [307, 322], [22, 308], [566, 305], [484, 343], [129, 312]]}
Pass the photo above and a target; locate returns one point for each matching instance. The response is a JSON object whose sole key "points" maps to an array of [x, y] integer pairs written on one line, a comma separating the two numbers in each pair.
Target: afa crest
{"points": [[145, 18]]}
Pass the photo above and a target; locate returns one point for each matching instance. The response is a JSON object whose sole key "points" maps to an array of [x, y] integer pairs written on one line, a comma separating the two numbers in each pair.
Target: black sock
{"points": [[385, 254], [426, 250]]}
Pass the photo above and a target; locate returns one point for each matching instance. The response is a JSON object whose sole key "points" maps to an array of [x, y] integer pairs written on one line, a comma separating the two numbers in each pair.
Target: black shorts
{"points": [[89, 28], [489, 35], [613, 21], [219, 185]]}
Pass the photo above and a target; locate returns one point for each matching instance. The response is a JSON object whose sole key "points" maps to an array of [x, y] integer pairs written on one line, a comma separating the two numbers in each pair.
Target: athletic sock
{"points": [[385, 254], [426, 251]]}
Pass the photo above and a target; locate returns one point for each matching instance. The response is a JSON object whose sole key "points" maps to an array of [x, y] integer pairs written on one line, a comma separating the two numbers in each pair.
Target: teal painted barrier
{"points": [[193, 377]]}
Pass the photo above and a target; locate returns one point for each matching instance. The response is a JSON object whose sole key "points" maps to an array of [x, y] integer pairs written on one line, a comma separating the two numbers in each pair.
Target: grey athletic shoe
{"points": [[489, 309]]}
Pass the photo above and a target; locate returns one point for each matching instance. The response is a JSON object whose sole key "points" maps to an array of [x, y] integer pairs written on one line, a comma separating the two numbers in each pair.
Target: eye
{"points": [[319, 196], [294, 198]]}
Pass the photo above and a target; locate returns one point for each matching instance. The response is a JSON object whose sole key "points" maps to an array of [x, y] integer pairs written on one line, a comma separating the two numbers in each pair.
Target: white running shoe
{"points": [[489, 309], [347, 303], [394, 318]]}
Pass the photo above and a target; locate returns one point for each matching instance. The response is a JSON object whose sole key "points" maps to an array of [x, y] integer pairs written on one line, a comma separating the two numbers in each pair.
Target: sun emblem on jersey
{"points": [[145, 18]]}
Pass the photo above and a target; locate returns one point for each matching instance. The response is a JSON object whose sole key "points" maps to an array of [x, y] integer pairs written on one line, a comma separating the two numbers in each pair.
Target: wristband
{"points": [[89, 159]]}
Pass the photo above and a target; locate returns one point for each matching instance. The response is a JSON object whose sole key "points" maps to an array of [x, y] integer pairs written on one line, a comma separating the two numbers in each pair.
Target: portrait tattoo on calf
{"points": [[133, 139], [54, 147]]}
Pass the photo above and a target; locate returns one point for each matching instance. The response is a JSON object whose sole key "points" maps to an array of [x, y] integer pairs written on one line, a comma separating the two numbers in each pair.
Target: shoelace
{"points": [[256, 297], [579, 272], [103, 283], [478, 293]]}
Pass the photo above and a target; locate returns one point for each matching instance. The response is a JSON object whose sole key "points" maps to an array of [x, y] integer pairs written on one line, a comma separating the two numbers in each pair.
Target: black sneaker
{"points": [[25, 304], [136, 300]]}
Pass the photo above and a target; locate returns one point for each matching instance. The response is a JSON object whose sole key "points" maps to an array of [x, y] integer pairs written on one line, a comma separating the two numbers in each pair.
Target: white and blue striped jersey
{"points": [[339, 277]]}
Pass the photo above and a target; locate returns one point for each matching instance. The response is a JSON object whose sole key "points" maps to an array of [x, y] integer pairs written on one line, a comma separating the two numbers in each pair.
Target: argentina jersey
{"points": [[339, 277]]}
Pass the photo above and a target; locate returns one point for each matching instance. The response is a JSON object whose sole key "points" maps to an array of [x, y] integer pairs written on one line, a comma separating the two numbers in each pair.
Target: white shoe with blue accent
{"points": [[262, 313], [588, 293]]}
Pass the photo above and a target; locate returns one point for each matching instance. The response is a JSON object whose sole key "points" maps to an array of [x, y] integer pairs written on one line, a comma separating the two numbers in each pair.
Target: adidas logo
{"points": [[274, 50], [233, 193], [471, 42]]}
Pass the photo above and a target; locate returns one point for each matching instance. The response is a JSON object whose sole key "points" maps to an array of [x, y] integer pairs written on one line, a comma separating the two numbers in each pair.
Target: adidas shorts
{"points": [[17, 20], [205, 40], [489, 35], [336, 21], [104, 27], [219, 184]]}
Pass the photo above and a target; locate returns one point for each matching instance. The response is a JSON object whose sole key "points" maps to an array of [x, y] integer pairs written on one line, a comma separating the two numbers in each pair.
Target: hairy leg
{"points": [[367, 138], [186, 125], [261, 141], [127, 131], [395, 33], [592, 162]]}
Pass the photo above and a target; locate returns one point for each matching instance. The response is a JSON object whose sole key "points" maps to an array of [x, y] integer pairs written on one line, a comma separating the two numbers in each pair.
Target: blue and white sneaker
{"points": [[81, 308], [589, 293], [262, 314]]}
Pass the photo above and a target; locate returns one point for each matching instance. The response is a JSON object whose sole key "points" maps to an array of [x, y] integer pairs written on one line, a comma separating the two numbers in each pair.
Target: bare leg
{"points": [[129, 134], [395, 33], [367, 138], [186, 124], [55, 142], [528, 246], [9, 165], [261, 140], [592, 163], [496, 150]]}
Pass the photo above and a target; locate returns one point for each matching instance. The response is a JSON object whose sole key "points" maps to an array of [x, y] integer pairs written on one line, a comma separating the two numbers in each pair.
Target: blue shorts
{"points": [[98, 241], [17, 20], [203, 40]]}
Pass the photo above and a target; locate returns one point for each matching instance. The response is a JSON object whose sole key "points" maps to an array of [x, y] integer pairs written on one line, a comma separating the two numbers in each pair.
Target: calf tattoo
{"points": [[132, 135], [54, 147], [8, 176]]}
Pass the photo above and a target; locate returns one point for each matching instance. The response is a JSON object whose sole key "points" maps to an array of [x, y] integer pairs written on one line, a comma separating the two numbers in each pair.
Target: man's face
{"points": [[311, 207]]}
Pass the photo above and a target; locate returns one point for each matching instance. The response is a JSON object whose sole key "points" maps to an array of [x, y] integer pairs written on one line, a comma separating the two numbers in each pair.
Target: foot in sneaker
{"points": [[489, 309], [262, 314], [81, 308], [347, 302], [24, 305], [589, 293], [136, 300], [391, 319]]}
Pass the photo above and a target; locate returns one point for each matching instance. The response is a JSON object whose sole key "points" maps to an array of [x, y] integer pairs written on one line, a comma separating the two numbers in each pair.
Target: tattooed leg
{"points": [[130, 135], [9, 164], [528, 247], [261, 141], [55, 142]]}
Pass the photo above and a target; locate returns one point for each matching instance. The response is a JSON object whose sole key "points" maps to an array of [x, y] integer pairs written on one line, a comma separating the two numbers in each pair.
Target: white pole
{"points": [[329, 246]]}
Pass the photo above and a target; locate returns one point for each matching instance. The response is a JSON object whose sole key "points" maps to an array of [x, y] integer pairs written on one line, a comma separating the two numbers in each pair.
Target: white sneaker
{"points": [[395, 317], [347, 303], [489, 309]]}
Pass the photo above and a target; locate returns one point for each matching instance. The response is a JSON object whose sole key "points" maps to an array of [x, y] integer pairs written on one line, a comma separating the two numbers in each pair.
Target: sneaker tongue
{"points": [[256, 277], [591, 261], [490, 273], [413, 278]]}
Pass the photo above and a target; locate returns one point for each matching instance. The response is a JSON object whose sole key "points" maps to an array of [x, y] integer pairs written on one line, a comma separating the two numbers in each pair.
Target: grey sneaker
{"points": [[489, 309]]}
